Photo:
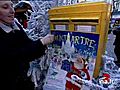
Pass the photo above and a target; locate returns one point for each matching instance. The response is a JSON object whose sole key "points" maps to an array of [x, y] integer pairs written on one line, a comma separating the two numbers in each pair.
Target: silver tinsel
{"points": [[38, 27]]}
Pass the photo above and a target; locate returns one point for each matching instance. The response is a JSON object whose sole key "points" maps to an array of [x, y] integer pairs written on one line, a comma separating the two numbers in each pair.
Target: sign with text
{"points": [[73, 58]]}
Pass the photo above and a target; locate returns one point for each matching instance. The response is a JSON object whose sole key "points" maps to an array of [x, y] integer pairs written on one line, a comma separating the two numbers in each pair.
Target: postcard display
{"points": [[73, 59]]}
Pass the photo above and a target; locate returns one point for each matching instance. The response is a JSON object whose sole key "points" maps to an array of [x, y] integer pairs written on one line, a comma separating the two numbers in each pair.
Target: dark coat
{"points": [[117, 39], [117, 45], [16, 51]]}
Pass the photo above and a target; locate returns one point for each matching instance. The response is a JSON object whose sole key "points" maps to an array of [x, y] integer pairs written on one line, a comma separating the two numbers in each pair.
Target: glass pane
{"points": [[61, 27], [85, 28]]}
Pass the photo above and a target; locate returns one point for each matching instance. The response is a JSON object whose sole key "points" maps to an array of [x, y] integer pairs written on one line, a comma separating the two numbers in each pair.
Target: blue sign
{"points": [[84, 43]]}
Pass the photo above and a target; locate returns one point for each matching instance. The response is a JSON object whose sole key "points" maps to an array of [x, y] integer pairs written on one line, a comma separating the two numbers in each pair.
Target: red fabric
{"points": [[77, 72], [25, 23], [86, 71], [69, 85]]}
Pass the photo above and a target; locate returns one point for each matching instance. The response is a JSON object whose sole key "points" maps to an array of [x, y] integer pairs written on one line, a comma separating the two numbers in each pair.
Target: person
{"points": [[22, 18], [17, 50], [117, 45], [22, 12]]}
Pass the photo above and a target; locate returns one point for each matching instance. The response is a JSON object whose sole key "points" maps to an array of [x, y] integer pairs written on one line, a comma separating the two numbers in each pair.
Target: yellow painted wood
{"points": [[99, 11]]}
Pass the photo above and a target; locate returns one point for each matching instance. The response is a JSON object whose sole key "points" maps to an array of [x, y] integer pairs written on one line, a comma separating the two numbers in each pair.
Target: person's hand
{"points": [[47, 39]]}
